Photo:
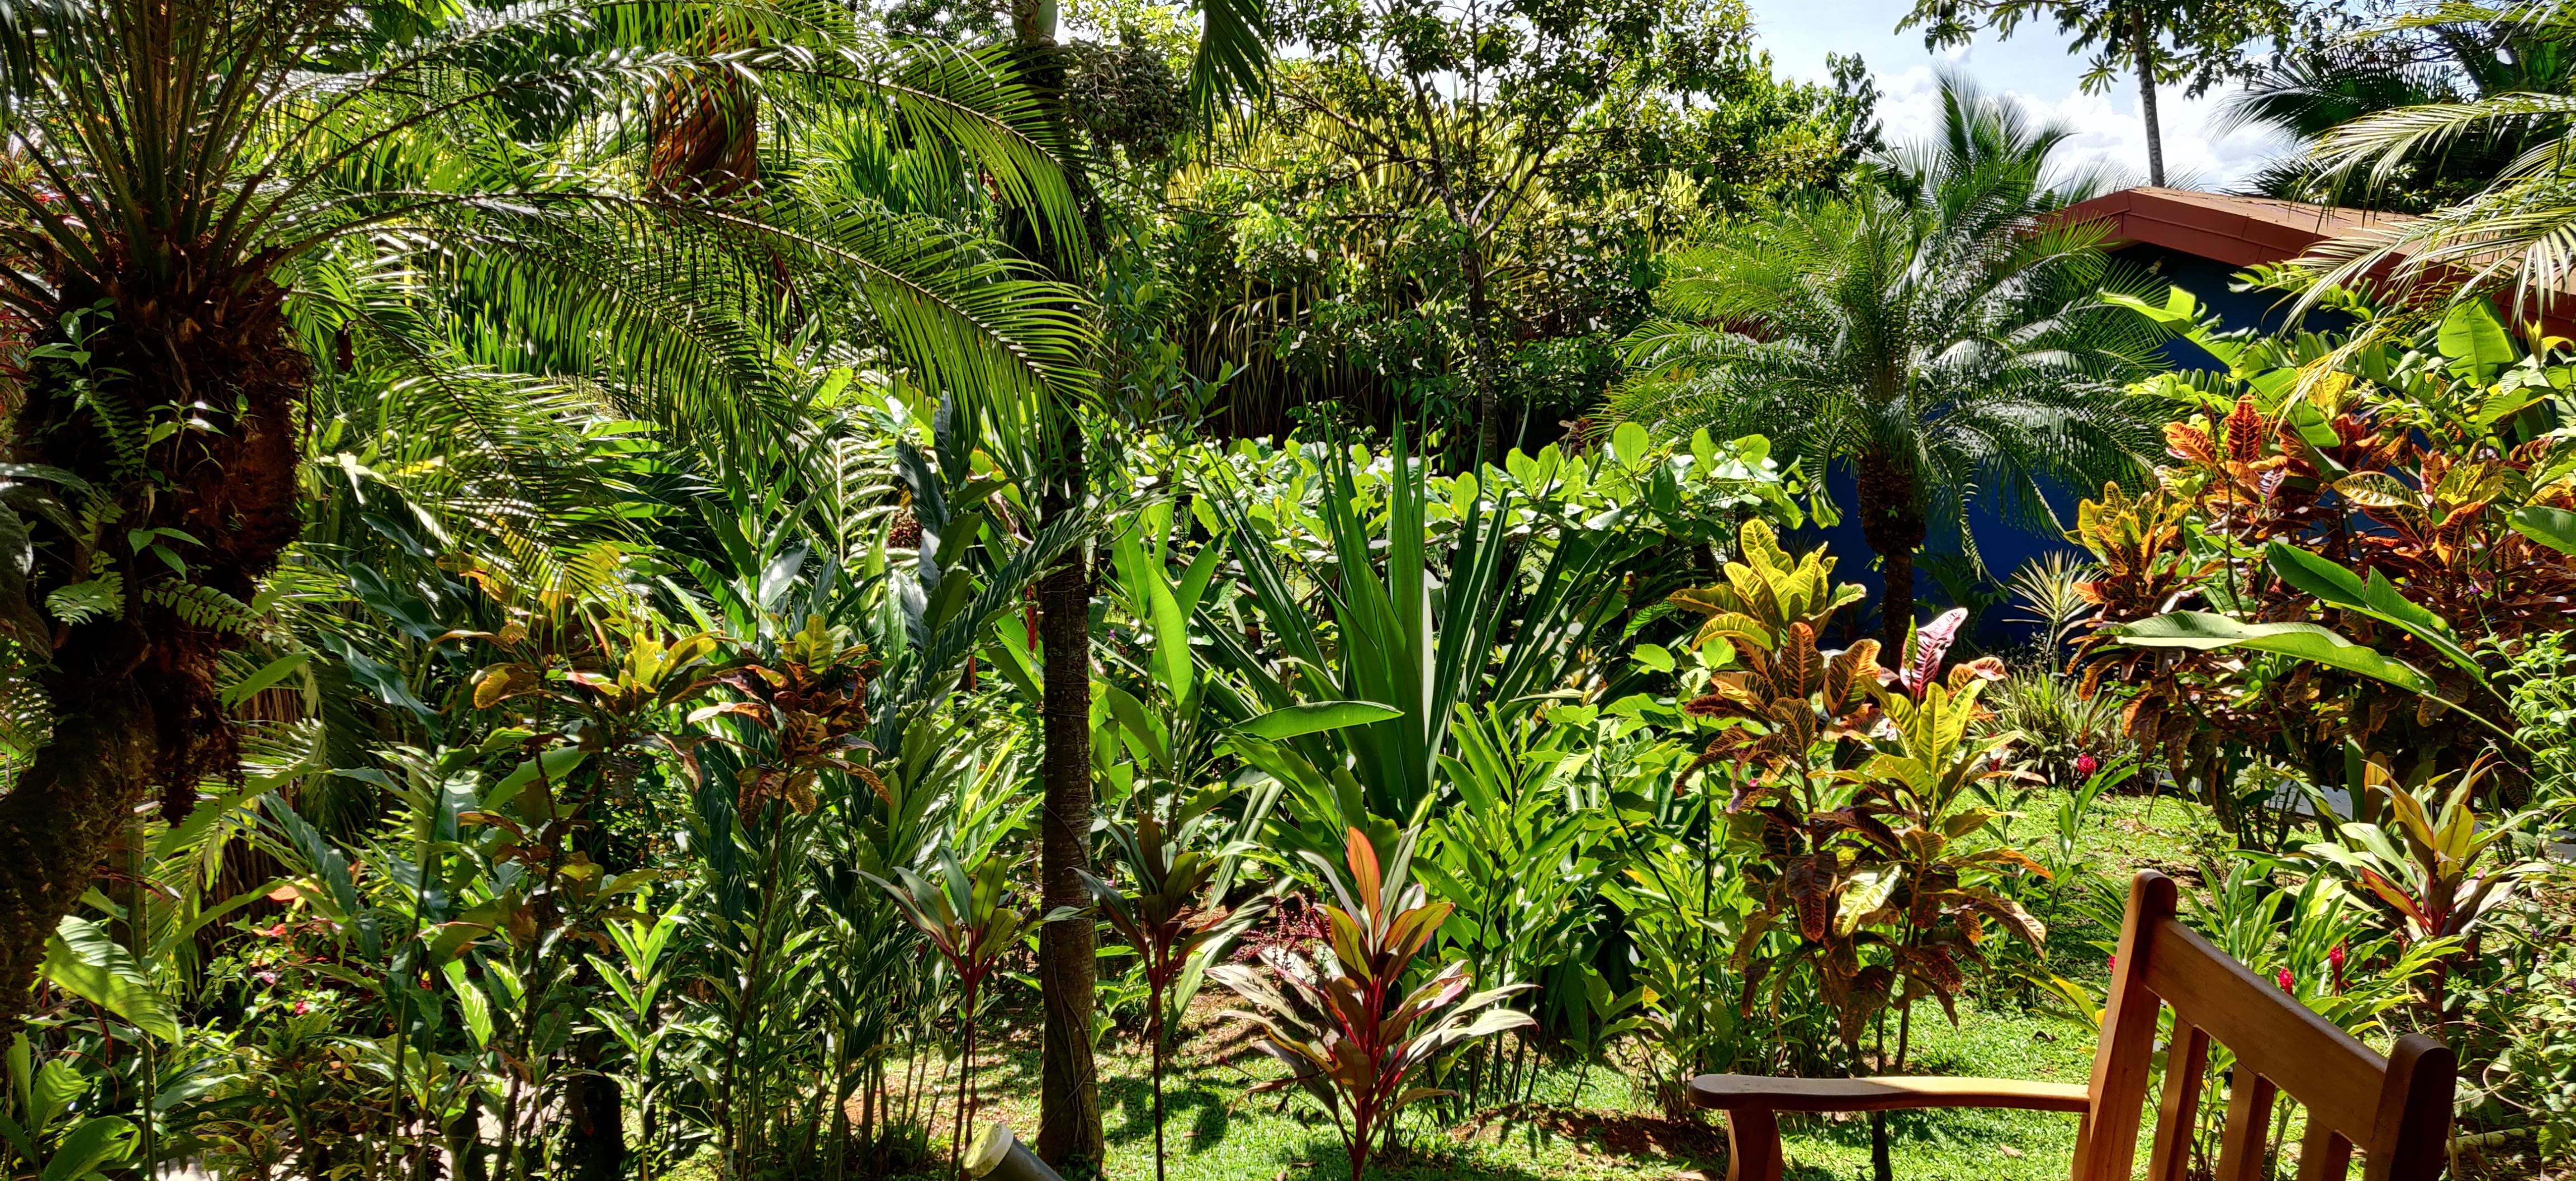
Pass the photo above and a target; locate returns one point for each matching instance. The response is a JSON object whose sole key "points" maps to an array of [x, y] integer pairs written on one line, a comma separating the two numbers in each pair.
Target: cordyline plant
{"points": [[1172, 921], [2429, 859], [1351, 1035], [961, 912]]}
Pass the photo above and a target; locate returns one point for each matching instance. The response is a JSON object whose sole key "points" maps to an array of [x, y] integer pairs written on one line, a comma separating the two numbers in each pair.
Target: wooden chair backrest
{"points": [[2395, 1109]]}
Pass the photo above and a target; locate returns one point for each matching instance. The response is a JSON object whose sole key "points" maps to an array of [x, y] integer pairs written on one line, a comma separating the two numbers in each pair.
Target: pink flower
{"points": [[268, 977], [2114, 965], [303, 1007], [2285, 980], [2087, 764]]}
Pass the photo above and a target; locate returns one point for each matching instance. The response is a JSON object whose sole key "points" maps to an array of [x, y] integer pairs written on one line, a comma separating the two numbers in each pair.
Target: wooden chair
{"points": [[2396, 1110]]}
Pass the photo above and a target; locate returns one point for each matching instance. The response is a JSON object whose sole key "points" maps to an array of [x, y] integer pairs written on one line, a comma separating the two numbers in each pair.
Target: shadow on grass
{"points": [[1196, 1113], [1933, 1129], [1426, 1158]]}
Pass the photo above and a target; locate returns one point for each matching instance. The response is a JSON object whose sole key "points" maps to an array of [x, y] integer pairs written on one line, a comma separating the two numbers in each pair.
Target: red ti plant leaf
{"points": [[1932, 642], [1352, 1040]]}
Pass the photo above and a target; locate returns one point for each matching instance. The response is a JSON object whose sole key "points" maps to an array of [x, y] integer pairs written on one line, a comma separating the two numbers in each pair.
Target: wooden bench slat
{"points": [[2324, 1155], [1737, 1092], [2301, 1053], [2179, 1110], [2249, 1124]]}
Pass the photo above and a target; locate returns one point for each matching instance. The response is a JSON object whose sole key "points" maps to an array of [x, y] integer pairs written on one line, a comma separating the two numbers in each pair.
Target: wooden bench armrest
{"points": [[1742, 1092], [1752, 1101]]}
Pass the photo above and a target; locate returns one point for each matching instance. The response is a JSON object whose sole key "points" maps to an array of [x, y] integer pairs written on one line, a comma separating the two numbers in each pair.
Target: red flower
{"points": [[2087, 764], [2114, 965], [2285, 980], [2334, 959]]}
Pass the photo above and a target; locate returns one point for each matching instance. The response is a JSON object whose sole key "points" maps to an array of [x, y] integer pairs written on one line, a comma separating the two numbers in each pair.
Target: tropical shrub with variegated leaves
{"points": [[2349, 533], [1861, 796]]}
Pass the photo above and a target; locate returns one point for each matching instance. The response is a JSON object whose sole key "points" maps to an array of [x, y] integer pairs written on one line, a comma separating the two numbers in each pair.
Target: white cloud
{"points": [[2108, 128], [2035, 66]]}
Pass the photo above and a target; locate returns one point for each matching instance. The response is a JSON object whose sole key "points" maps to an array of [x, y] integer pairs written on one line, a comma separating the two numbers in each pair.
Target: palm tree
{"points": [[2509, 233], [2310, 93], [1931, 331], [1230, 61], [217, 206]]}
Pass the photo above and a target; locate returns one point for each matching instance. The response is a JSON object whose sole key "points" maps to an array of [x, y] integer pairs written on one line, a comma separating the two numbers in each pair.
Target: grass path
{"points": [[1220, 1131]]}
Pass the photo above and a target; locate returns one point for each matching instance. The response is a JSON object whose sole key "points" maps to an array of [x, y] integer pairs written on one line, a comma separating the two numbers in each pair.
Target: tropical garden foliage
{"points": [[740, 590]]}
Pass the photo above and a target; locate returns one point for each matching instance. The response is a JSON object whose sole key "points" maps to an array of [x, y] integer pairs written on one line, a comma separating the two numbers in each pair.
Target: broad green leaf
{"points": [[2552, 527], [555, 763], [2476, 341], [1629, 441], [1315, 717], [470, 1001], [98, 1141], [2201, 631], [2377, 598], [81, 958], [269, 674]]}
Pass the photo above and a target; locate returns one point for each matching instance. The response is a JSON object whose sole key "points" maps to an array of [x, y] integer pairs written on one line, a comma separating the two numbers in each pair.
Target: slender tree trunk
{"points": [[1486, 365], [1893, 525], [1070, 1136], [2143, 34]]}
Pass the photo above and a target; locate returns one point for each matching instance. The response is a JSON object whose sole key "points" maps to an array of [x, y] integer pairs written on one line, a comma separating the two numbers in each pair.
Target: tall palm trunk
{"points": [[1892, 522], [2143, 33], [1070, 1135], [133, 688]]}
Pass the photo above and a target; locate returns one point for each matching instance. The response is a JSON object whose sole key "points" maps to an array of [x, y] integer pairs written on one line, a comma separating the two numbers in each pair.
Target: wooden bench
{"points": [[2396, 1109]]}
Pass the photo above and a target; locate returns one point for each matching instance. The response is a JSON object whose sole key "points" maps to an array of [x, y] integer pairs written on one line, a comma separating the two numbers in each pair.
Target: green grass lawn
{"points": [[1219, 1131]]}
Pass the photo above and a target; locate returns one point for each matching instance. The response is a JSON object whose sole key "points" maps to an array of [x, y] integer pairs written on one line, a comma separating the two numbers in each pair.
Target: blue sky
{"points": [[2034, 66]]}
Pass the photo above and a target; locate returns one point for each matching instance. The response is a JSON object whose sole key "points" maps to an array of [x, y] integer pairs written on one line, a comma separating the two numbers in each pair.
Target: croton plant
{"points": [[2388, 510]]}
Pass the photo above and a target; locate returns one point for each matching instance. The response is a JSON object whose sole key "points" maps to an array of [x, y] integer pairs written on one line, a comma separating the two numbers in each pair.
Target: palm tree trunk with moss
{"points": [[133, 688], [1892, 523], [56, 821]]}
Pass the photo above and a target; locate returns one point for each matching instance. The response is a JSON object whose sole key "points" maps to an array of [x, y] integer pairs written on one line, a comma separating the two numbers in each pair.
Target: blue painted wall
{"points": [[2006, 544]]}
